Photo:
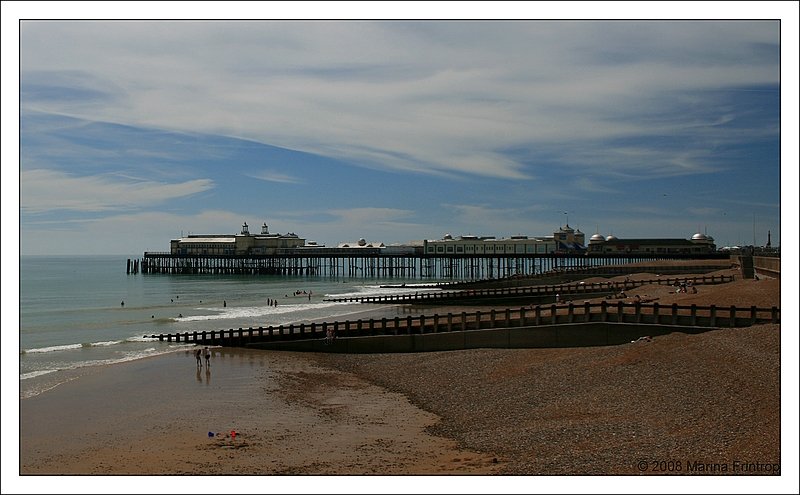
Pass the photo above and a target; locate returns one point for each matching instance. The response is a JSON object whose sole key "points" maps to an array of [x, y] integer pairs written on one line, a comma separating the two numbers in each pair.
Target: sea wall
{"points": [[542, 336], [750, 266]]}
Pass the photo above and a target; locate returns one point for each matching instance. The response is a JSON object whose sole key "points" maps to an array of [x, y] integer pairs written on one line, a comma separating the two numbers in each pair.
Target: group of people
{"points": [[200, 353], [302, 292], [685, 288]]}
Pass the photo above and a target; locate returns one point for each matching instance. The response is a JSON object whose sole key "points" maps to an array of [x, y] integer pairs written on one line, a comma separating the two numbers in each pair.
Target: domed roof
{"points": [[598, 237], [611, 237], [699, 237], [448, 236], [362, 242]]}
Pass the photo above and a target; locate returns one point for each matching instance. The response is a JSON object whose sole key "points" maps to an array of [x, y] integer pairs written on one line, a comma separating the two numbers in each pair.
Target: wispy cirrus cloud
{"points": [[49, 190], [276, 176], [480, 88]]}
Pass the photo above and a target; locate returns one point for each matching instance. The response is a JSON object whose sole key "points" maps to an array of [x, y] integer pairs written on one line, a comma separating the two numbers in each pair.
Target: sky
{"points": [[619, 118], [136, 132]]}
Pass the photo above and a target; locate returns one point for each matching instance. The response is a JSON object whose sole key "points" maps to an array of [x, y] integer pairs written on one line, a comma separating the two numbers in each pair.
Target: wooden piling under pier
{"points": [[373, 263], [132, 266]]}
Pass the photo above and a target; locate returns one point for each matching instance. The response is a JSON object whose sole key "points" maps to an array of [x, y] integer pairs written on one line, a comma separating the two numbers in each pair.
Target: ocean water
{"points": [[79, 313]]}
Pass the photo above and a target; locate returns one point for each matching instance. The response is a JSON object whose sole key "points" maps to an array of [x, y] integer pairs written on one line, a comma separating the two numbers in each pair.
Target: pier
{"points": [[377, 263]]}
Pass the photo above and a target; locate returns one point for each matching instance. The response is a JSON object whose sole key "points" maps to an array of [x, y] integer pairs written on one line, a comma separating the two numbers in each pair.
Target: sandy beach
{"points": [[289, 415], [706, 400]]}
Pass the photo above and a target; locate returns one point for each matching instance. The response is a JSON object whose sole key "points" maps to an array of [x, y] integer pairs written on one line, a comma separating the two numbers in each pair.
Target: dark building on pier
{"points": [[241, 244]]}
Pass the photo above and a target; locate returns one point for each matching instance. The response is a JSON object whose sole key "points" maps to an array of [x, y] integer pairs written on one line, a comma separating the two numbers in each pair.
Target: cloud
{"points": [[276, 176], [45, 190], [428, 97], [513, 120]]}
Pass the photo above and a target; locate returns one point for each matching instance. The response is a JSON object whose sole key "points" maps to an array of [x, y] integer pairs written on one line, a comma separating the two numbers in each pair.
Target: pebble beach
{"points": [[676, 404]]}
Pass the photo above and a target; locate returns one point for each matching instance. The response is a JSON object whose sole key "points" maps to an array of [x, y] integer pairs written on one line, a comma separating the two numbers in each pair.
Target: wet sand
{"points": [[290, 417]]}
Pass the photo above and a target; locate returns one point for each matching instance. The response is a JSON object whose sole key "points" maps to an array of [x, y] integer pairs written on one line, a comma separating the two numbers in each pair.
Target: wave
{"points": [[34, 374], [126, 356], [377, 290], [103, 344], [71, 347], [62, 377], [258, 311], [55, 348]]}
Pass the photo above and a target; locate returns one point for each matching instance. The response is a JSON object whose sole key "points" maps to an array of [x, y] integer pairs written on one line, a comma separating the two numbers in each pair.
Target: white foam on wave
{"points": [[34, 374], [105, 344], [376, 290], [259, 311], [71, 347], [54, 348]]}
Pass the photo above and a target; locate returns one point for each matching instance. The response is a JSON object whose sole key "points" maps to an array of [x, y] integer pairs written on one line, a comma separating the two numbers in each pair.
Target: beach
{"points": [[704, 401], [163, 415]]}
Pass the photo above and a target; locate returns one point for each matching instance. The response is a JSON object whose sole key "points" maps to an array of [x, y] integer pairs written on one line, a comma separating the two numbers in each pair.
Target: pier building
{"points": [[242, 244], [361, 244], [699, 244], [564, 240]]}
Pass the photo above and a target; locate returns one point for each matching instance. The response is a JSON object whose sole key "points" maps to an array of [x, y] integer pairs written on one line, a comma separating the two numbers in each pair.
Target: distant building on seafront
{"points": [[241, 244]]}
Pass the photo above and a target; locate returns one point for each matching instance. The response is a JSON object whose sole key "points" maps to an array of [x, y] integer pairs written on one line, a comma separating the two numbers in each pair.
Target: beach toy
{"points": [[210, 434], [233, 434]]}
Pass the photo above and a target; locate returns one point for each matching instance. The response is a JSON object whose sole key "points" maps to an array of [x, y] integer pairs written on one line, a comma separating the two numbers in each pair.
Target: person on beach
{"points": [[208, 356], [198, 356]]}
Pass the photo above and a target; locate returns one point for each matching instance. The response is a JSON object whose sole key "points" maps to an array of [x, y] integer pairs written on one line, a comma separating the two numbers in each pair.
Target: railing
{"points": [[564, 290], [619, 312]]}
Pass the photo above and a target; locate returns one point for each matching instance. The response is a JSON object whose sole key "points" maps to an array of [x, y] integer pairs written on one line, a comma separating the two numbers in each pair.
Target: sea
{"points": [[78, 314]]}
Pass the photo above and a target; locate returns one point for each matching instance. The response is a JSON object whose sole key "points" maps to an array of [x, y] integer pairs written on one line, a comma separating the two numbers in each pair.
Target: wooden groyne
{"points": [[535, 293], [538, 326]]}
